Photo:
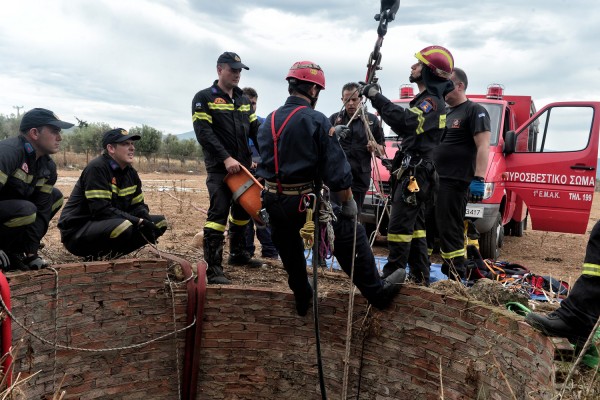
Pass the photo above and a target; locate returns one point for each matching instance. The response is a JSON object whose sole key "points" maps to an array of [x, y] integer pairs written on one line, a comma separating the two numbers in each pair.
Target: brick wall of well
{"points": [[100, 305], [256, 347]]}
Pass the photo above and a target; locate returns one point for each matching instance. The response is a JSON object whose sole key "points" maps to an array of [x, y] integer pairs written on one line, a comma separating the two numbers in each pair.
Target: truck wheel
{"points": [[514, 228], [491, 241]]}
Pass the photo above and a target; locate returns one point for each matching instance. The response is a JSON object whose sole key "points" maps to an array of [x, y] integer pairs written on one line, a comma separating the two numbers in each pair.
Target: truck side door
{"points": [[552, 165]]}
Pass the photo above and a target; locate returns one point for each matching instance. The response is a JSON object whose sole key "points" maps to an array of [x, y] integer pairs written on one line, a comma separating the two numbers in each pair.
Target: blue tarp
{"points": [[435, 270]]}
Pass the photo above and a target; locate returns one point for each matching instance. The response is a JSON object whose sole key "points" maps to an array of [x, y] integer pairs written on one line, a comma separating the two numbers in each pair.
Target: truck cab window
{"points": [[558, 129]]}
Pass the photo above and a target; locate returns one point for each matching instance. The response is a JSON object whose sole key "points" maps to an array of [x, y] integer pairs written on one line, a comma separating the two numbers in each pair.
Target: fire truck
{"points": [[542, 167]]}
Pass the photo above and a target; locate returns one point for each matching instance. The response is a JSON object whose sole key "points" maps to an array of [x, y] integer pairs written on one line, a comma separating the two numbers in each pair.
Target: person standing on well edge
{"points": [[356, 144], [298, 146], [461, 160], [420, 127], [223, 121]]}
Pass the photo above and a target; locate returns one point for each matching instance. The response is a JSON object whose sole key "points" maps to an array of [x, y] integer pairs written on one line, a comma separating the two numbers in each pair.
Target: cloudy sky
{"points": [[134, 62]]}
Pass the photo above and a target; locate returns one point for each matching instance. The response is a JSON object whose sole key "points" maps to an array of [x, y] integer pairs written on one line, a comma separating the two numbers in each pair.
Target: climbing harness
{"points": [[276, 135]]}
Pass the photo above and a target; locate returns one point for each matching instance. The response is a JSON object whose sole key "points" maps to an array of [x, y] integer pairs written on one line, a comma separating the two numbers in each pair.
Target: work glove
{"points": [[149, 230], [341, 131], [4, 261], [476, 189], [370, 90], [349, 208]]}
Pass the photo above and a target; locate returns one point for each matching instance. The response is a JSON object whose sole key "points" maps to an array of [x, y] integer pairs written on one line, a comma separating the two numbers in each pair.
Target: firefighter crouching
{"points": [[413, 172], [28, 198], [297, 144], [106, 215]]}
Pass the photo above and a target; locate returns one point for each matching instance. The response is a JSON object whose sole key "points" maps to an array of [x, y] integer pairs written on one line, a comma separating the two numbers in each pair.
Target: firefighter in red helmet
{"points": [[414, 178], [299, 148]]}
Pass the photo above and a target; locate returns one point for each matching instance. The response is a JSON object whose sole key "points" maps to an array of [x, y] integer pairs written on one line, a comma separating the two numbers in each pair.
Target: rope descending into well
{"points": [[349, 321]]}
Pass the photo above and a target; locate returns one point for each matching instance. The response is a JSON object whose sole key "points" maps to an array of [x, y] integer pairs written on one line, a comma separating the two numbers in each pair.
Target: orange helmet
{"points": [[438, 59], [307, 71]]}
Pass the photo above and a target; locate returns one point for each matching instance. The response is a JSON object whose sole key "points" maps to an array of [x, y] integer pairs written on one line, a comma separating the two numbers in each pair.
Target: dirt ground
{"points": [[183, 199]]}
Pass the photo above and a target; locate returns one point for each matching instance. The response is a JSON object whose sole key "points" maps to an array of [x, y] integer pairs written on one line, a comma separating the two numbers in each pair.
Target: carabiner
{"points": [[308, 200]]}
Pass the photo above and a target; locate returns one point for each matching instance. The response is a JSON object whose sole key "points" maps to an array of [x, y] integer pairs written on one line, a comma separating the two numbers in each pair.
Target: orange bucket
{"points": [[246, 192]]}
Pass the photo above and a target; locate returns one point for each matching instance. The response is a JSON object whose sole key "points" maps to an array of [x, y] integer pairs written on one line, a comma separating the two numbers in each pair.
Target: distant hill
{"points": [[186, 135]]}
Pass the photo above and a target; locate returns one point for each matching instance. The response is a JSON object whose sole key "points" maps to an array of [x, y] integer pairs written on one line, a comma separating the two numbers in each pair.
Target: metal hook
{"points": [[308, 200]]}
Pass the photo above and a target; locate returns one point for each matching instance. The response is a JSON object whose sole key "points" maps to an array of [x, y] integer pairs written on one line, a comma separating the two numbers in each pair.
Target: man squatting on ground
{"points": [[420, 127], [106, 215], [223, 121], [297, 144], [28, 198]]}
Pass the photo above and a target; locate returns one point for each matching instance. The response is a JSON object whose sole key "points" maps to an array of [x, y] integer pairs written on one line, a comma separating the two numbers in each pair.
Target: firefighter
{"points": [[223, 121], [106, 215], [299, 148], [461, 161], [356, 144], [413, 171], [579, 312], [28, 198], [263, 234]]}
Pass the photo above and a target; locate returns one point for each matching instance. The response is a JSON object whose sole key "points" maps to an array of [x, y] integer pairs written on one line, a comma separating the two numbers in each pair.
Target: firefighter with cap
{"points": [[579, 311], [28, 198], [223, 121], [106, 216], [420, 128], [299, 147]]}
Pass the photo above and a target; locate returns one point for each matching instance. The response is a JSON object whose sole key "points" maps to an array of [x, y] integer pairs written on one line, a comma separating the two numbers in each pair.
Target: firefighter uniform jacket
{"points": [[420, 126], [223, 126], [23, 177], [355, 146], [104, 191], [306, 148]]}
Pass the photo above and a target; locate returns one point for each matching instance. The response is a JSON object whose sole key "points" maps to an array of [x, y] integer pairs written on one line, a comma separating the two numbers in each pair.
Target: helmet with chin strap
{"points": [[438, 59], [306, 71]]}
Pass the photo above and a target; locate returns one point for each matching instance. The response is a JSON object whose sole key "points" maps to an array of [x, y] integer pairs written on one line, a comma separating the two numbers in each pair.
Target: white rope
{"points": [[349, 319]]}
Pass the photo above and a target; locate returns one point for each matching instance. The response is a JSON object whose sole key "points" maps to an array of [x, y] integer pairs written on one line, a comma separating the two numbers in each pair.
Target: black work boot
{"points": [[454, 270], [389, 290], [388, 269], [553, 325], [213, 255], [237, 249]]}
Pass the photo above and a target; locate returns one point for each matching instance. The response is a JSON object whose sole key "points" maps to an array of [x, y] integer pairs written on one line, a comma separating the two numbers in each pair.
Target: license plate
{"points": [[474, 211]]}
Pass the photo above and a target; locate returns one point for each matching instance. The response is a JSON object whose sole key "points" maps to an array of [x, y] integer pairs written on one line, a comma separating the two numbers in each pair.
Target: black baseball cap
{"points": [[40, 117], [117, 135], [232, 59]]}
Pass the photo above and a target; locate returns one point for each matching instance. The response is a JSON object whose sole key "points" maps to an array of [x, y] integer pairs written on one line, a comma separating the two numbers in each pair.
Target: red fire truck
{"points": [[542, 166]]}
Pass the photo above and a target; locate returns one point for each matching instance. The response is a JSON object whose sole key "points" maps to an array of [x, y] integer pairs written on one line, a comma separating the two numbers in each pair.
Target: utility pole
{"points": [[18, 108]]}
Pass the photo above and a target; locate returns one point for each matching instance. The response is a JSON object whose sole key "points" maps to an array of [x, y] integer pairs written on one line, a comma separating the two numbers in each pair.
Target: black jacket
{"points": [[223, 126], [420, 126], [355, 146], [307, 148], [24, 177], [104, 191]]}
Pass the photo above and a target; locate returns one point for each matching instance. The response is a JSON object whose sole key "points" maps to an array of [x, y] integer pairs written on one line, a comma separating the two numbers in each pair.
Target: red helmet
{"points": [[439, 59], [307, 71]]}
